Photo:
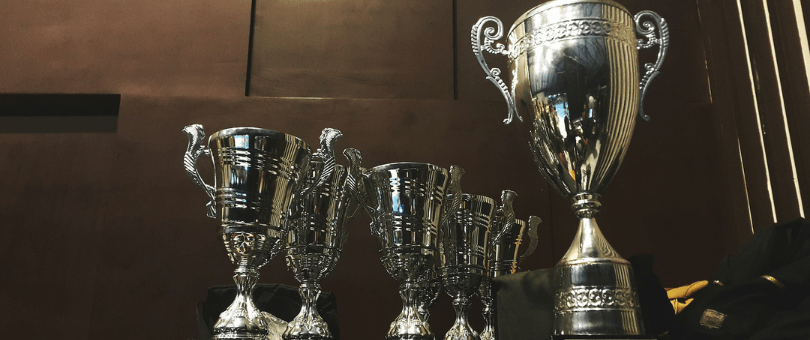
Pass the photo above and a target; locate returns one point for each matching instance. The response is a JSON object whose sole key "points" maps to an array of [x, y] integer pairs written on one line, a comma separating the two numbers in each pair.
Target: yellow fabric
{"points": [[679, 297]]}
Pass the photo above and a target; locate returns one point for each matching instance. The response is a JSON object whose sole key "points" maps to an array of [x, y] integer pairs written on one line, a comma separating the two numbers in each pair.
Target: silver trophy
{"points": [[504, 254], [317, 233], [463, 243], [406, 202], [573, 66], [257, 174]]}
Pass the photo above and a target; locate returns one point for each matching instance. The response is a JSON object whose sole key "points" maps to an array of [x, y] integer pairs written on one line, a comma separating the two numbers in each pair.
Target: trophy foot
{"points": [[308, 324], [409, 324], [461, 329], [242, 320]]}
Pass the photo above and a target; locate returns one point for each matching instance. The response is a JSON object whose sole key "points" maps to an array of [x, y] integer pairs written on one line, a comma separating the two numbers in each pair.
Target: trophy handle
{"points": [[453, 191], [357, 182], [490, 35], [196, 134], [534, 222], [325, 154], [508, 212], [647, 29]]}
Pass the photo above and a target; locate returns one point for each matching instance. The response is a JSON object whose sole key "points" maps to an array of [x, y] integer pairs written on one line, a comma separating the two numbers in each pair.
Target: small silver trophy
{"points": [[463, 243], [260, 171], [317, 233], [405, 202], [574, 72], [503, 254]]}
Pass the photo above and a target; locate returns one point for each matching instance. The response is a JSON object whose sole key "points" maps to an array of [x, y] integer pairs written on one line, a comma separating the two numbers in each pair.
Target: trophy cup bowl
{"points": [[257, 172], [463, 244], [317, 233], [574, 72], [506, 236], [406, 202]]}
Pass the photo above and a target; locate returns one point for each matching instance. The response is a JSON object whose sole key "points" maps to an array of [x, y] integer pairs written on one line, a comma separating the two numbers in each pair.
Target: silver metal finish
{"points": [[504, 253], [317, 234], [574, 69], [463, 244], [406, 204], [257, 173]]}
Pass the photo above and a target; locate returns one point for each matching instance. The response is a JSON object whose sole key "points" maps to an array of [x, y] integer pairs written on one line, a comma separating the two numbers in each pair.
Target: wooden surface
{"points": [[106, 236]]}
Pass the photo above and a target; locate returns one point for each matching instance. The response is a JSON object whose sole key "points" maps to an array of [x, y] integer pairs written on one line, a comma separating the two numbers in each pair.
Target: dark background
{"points": [[104, 236]]}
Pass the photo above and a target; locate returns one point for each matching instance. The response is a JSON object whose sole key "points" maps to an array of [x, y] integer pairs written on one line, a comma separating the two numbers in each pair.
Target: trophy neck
{"points": [[586, 205]]}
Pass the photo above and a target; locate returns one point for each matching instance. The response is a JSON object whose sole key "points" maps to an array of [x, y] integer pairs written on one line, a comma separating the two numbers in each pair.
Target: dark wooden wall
{"points": [[105, 236]]}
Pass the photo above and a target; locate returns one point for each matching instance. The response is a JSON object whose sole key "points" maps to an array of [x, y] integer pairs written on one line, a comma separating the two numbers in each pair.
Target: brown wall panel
{"points": [[148, 47], [352, 49]]}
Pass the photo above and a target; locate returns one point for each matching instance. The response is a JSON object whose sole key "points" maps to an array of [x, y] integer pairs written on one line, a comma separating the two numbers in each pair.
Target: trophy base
{"points": [[605, 337], [410, 337]]}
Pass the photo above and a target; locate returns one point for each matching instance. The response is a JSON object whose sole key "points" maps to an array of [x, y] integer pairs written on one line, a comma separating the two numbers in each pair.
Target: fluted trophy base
{"points": [[308, 324], [409, 324], [594, 289]]}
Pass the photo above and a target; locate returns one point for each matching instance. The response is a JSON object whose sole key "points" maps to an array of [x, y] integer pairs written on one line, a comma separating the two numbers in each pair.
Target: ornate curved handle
{"points": [[490, 35], [356, 181], [196, 134], [454, 193], [508, 212], [326, 155], [647, 29], [534, 222]]}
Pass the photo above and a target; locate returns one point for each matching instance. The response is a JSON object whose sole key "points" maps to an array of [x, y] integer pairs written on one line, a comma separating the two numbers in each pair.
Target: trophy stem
{"points": [[461, 329], [308, 324], [242, 320], [409, 324], [488, 333]]}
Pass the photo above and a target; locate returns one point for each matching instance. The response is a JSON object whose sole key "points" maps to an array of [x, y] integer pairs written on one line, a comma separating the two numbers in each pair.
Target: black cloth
{"points": [[742, 304], [280, 300], [525, 302]]}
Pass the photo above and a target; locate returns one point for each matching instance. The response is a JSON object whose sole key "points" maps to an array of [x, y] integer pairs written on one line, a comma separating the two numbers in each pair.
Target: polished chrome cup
{"points": [[258, 172], [573, 66], [317, 233], [463, 243], [406, 202], [504, 255]]}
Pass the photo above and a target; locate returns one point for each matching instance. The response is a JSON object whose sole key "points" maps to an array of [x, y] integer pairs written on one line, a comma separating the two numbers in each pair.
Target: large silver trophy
{"points": [[317, 233], [257, 174], [573, 67], [463, 243], [406, 202], [504, 254]]}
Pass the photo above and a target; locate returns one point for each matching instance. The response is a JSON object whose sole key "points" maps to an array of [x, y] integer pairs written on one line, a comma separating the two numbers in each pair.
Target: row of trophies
{"points": [[431, 235], [574, 72]]}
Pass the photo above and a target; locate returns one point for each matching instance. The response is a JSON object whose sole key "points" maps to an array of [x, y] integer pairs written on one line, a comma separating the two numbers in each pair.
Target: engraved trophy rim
{"points": [[254, 131], [558, 3]]}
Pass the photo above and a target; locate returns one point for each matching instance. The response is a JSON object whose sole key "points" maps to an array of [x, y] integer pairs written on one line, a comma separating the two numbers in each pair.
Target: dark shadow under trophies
{"points": [[257, 174], [574, 72], [406, 202], [317, 233], [463, 243], [506, 236]]}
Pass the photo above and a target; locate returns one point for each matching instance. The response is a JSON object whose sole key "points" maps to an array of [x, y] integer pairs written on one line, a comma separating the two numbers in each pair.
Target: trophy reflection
{"points": [[405, 202], [506, 237], [574, 72], [463, 243], [317, 234], [257, 173]]}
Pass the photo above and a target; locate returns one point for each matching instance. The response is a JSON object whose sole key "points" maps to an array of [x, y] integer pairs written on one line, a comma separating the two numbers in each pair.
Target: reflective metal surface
{"points": [[573, 69], [257, 172], [463, 243], [504, 253], [406, 204], [317, 233]]}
